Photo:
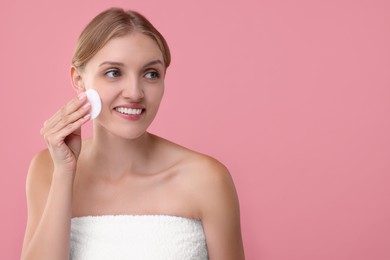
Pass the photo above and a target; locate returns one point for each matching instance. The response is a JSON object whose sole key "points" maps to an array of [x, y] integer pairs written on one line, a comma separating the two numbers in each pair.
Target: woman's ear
{"points": [[77, 80]]}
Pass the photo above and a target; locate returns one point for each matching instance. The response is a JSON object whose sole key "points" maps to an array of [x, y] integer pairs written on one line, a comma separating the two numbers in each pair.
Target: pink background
{"points": [[293, 96]]}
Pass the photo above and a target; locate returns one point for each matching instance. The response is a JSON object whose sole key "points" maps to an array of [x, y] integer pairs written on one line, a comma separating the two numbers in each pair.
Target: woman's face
{"points": [[128, 72]]}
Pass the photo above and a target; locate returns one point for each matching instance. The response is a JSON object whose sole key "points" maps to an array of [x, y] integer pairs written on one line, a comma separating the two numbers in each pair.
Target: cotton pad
{"points": [[96, 103]]}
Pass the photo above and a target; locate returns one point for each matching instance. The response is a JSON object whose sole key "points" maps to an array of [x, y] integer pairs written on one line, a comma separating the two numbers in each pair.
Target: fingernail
{"points": [[87, 116], [81, 95]]}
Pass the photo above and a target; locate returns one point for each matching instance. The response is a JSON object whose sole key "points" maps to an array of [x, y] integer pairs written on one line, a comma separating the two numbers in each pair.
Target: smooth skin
{"points": [[123, 169]]}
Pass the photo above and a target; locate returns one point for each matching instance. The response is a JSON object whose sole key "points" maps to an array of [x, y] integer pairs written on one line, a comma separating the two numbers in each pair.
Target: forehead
{"points": [[132, 50]]}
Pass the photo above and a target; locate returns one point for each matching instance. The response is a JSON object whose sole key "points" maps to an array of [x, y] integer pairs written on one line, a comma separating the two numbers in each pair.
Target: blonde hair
{"points": [[113, 23]]}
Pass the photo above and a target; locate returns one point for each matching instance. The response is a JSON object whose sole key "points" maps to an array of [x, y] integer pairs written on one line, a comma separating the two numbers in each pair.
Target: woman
{"points": [[125, 193]]}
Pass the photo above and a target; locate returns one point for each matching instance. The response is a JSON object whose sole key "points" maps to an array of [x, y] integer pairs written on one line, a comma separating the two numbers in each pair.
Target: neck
{"points": [[115, 156]]}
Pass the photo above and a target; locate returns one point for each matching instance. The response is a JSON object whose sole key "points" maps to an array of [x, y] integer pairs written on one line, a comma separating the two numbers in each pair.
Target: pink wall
{"points": [[293, 96]]}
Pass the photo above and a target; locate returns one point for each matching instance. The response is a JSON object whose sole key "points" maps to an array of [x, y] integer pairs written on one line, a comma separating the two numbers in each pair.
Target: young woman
{"points": [[125, 193]]}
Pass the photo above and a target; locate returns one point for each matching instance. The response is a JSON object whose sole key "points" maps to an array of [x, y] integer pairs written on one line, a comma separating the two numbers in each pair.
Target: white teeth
{"points": [[128, 111]]}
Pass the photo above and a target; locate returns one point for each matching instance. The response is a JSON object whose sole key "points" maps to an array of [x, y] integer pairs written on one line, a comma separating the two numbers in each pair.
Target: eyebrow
{"points": [[112, 63], [120, 64], [154, 62]]}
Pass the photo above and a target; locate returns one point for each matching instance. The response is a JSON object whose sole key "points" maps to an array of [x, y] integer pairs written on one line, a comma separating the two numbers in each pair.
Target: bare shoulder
{"points": [[212, 184], [215, 195], [205, 179], [40, 170], [207, 172], [208, 186], [194, 166]]}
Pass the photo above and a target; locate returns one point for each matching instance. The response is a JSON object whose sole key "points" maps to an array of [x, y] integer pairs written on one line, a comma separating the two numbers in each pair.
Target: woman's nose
{"points": [[133, 90]]}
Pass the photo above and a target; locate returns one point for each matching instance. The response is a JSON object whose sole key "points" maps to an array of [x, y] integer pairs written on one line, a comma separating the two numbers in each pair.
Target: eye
{"points": [[152, 75], [114, 73]]}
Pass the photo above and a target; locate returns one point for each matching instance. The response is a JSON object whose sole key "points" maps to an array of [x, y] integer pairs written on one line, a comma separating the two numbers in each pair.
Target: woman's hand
{"points": [[62, 133]]}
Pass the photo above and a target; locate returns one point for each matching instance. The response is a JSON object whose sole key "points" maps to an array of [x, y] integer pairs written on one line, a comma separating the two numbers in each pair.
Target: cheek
{"points": [[157, 96], [89, 78], [106, 97], [154, 93]]}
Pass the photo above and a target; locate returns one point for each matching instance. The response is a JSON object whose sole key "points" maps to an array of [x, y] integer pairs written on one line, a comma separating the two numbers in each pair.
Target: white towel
{"points": [[138, 237]]}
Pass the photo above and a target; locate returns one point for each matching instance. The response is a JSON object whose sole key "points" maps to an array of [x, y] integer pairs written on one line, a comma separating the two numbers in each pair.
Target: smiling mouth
{"points": [[129, 111]]}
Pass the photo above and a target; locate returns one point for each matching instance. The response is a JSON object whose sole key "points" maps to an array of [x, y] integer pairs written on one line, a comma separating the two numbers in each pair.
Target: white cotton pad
{"points": [[96, 103]]}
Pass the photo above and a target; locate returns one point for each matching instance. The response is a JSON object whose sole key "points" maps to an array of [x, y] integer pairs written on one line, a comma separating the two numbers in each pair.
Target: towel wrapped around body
{"points": [[139, 237]]}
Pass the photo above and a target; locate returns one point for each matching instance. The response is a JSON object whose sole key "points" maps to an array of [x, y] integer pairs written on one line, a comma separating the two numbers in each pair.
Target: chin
{"points": [[124, 132], [129, 134]]}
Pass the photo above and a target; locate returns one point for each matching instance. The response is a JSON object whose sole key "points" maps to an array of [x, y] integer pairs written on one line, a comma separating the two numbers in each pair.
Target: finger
{"points": [[69, 108], [60, 119], [71, 118], [82, 113], [57, 137]]}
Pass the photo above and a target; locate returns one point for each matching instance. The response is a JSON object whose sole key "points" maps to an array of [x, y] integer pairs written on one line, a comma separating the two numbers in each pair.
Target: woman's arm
{"points": [[220, 213], [49, 196], [50, 184]]}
